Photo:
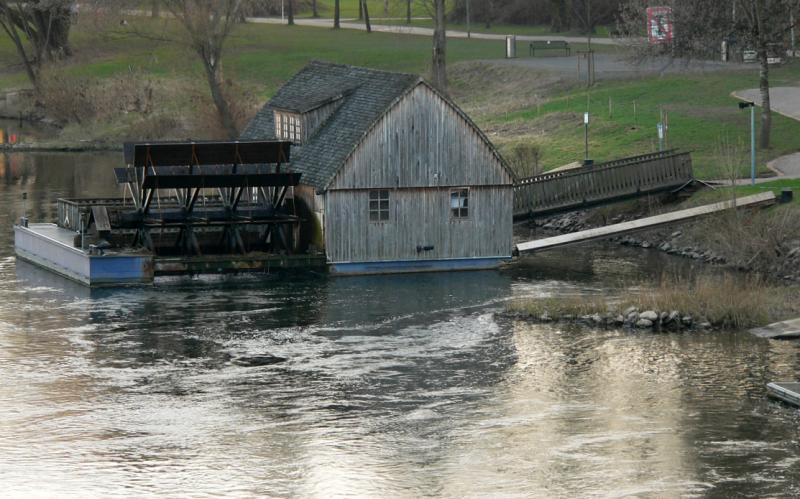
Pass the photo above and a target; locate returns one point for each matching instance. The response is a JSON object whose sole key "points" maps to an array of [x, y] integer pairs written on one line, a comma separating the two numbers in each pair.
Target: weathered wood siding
{"points": [[418, 217], [421, 142], [420, 150], [311, 120]]}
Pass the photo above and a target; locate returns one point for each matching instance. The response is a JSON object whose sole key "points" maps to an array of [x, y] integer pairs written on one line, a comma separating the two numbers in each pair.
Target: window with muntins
{"points": [[288, 126], [459, 203], [379, 206]]}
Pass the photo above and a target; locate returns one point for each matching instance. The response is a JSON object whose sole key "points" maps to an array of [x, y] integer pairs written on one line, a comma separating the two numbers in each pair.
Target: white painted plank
{"points": [[643, 223]]}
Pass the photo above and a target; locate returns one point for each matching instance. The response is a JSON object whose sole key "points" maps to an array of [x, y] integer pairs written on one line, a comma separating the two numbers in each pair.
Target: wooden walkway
{"points": [[602, 183], [643, 223]]}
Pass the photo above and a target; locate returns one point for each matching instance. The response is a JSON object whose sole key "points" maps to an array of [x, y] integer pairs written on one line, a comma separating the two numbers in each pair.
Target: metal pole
{"points": [[281, 10], [586, 138], [753, 144]]}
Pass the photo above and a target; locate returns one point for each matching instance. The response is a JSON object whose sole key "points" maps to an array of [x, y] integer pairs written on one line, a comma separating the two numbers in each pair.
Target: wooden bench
{"points": [[549, 44]]}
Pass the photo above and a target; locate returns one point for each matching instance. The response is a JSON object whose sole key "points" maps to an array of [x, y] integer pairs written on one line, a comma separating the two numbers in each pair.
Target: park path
{"points": [[417, 30], [785, 101]]}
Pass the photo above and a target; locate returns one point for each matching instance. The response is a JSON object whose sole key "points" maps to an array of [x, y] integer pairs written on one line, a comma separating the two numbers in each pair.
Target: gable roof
{"points": [[366, 94]]}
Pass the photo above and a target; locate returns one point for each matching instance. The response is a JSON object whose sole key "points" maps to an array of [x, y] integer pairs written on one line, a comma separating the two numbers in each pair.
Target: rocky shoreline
{"points": [[60, 147], [674, 242], [631, 318]]}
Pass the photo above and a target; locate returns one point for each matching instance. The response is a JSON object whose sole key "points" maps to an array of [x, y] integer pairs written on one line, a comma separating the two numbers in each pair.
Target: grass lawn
{"points": [[262, 56], [702, 115], [776, 186]]}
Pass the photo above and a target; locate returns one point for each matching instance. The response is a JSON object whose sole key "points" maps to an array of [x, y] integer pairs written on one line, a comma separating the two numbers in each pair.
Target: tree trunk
{"points": [[763, 79], [290, 4], [31, 66], [408, 11], [314, 11], [366, 16], [439, 69], [386, 8], [360, 10], [336, 24], [214, 76], [155, 12], [766, 110]]}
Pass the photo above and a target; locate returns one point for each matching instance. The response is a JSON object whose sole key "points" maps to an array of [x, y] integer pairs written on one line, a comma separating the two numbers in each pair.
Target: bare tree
{"points": [[765, 24], [701, 25], [208, 24], [39, 30]]}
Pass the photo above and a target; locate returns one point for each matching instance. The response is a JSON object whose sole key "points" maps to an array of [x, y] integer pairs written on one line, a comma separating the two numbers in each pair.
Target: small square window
{"points": [[379, 205], [459, 203]]}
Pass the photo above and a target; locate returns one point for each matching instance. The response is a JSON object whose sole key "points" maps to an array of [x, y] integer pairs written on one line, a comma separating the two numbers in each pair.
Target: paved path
{"points": [[785, 101], [618, 66], [416, 30]]}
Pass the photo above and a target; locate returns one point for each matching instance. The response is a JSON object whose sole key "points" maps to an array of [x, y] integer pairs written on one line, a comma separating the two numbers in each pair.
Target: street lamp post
{"points": [[752, 106], [586, 138]]}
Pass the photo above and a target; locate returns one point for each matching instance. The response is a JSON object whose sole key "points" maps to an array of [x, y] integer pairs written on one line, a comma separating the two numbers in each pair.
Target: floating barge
{"points": [[788, 392], [188, 208]]}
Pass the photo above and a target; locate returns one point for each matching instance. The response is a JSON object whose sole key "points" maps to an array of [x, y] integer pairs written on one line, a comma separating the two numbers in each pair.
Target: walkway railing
{"points": [[602, 183]]}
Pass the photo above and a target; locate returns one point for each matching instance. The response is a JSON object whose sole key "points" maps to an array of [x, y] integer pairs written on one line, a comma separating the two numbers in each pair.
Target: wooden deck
{"points": [[786, 391], [785, 330], [603, 183], [643, 223]]}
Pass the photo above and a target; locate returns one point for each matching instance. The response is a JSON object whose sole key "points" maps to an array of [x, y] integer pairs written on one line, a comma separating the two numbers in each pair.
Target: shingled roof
{"points": [[366, 93]]}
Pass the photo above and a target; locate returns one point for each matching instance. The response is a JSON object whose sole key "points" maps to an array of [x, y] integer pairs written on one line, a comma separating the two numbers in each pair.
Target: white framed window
{"points": [[287, 127], [379, 205], [459, 203]]}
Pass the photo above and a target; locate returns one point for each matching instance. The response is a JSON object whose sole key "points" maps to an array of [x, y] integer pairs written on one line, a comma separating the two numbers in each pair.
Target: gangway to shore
{"points": [[594, 185], [644, 223]]}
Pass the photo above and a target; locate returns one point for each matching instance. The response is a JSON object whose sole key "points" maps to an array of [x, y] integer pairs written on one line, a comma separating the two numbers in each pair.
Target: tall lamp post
{"points": [[752, 106]]}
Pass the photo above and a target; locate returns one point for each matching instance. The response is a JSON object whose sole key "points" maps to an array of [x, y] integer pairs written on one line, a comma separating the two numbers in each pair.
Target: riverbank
{"points": [[676, 304], [765, 241], [47, 146], [133, 88]]}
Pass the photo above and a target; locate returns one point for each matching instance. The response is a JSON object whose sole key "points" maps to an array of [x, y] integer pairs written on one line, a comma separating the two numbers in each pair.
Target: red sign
{"points": [[659, 25]]}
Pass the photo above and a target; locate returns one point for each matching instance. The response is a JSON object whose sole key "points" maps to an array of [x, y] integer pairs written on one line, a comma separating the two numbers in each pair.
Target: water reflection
{"points": [[393, 386]]}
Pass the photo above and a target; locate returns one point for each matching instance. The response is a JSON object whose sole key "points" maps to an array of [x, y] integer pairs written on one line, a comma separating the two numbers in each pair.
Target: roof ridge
{"points": [[320, 62]]}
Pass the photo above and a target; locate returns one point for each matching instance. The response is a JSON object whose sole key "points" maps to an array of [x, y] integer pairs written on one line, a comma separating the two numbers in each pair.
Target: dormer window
{"points": [[287, 126]]}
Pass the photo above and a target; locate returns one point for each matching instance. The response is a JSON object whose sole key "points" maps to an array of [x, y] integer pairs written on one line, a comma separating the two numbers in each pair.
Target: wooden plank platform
{"points": [[785, 330], [785, 390], [643, 223]]}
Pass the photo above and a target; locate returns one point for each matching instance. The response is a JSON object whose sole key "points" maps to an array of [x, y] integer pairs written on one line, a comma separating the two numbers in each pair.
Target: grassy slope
{"points": [[262, 54], [701, 111]]}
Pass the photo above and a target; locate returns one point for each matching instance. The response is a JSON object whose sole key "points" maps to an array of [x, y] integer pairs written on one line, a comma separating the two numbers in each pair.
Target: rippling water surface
{"points": [[393, 385]]}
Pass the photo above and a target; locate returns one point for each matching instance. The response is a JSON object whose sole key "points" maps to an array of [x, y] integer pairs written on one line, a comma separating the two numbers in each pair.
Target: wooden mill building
{"points": [[395, 177]]}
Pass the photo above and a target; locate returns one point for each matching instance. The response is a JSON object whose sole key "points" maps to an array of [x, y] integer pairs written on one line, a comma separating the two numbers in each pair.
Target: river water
{"points": [[393, 385]]}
